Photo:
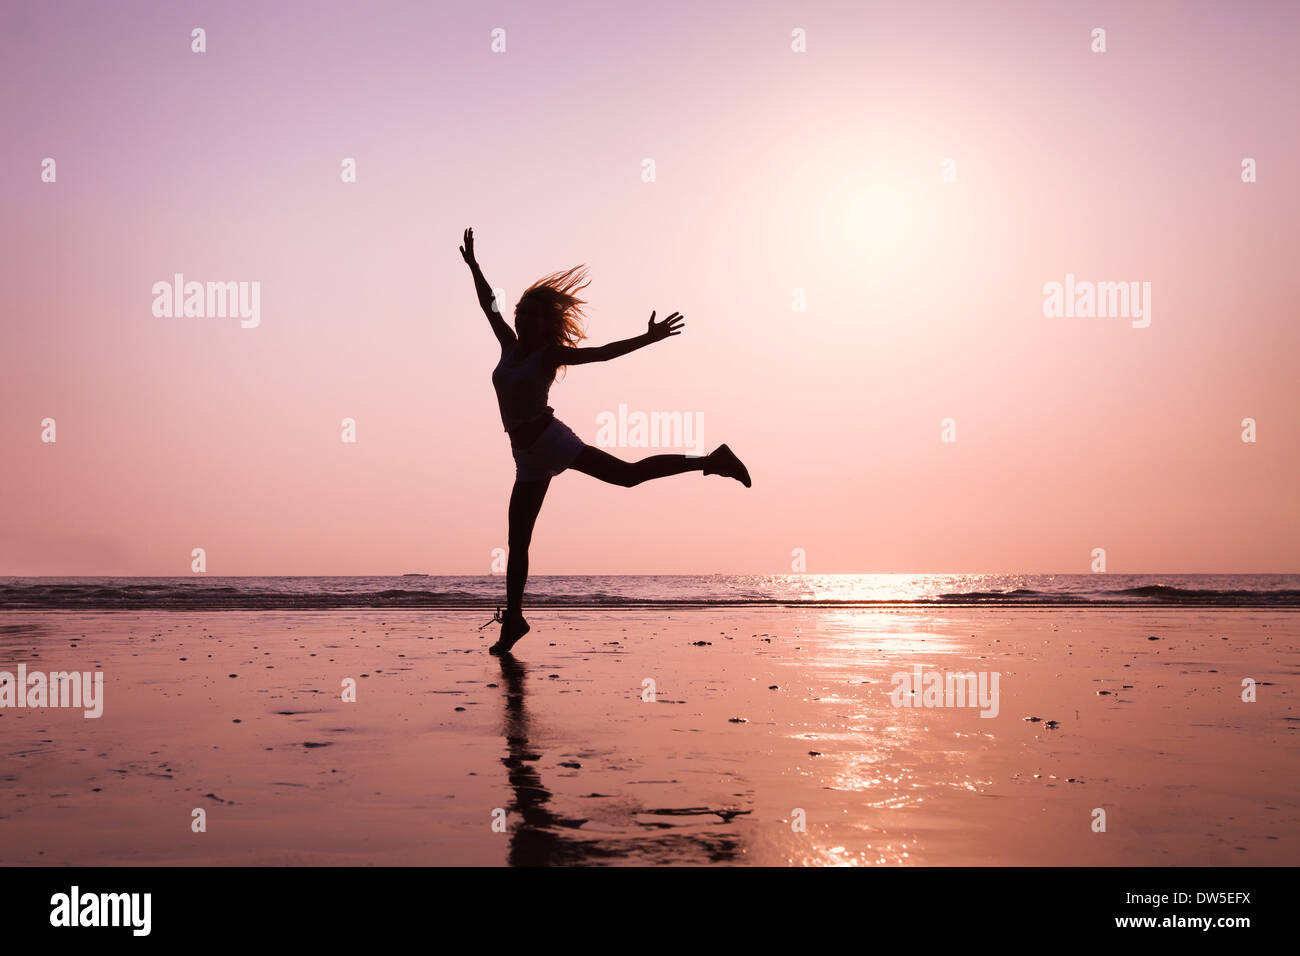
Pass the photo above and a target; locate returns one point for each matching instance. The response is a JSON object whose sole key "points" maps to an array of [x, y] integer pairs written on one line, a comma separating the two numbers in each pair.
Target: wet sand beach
{"points": [[724, 735]]}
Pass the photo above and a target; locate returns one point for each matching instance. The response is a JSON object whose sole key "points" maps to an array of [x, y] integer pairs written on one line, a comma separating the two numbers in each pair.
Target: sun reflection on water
{"points": [[876, 764]]}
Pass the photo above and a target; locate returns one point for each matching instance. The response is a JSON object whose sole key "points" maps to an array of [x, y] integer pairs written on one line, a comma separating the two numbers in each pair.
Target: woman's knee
{"points": [[605, 467]]}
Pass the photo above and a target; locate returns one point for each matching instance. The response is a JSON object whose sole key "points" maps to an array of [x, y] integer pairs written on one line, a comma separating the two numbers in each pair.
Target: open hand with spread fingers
{"points": [[658, 331]]}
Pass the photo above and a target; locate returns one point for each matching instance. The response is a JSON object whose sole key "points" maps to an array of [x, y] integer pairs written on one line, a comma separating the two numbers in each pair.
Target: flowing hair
{"points": [[552, 300]]}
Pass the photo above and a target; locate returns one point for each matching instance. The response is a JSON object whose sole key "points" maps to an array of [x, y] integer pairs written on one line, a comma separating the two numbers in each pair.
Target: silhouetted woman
{"points": [[548, 325]]}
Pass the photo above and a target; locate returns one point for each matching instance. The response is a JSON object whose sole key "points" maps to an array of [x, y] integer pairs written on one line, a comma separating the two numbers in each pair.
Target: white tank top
{"points": [[523, 387]]}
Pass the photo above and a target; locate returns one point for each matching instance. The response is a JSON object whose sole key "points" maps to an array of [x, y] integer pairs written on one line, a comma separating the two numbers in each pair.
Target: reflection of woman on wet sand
{"points": [[533, 842], [548, 324], [542, 836]]}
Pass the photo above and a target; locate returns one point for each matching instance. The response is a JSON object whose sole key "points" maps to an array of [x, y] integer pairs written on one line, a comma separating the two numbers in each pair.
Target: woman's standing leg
{"points": [[525, 502]]}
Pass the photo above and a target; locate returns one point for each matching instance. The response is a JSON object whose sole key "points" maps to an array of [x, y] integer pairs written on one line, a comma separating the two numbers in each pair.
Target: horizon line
{"points": [[669, 574]]}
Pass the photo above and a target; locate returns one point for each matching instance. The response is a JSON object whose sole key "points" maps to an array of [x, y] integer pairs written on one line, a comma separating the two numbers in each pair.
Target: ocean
{"points": [[648, 590]]}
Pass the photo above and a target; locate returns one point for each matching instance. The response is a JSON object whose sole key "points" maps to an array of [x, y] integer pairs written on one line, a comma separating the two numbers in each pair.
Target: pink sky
{"points": [[775, 171]]}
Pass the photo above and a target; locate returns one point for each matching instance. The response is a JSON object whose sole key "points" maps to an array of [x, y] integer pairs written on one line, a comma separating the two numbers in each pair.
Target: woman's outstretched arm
{"points": [[486, 300], [655, 332]]}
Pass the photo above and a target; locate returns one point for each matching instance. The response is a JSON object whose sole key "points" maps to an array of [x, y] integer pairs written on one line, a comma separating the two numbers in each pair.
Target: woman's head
{"points": [[549, 313]]}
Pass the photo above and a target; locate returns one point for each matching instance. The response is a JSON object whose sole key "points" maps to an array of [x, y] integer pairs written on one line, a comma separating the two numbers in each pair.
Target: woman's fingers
{"points": [[672, 325]]}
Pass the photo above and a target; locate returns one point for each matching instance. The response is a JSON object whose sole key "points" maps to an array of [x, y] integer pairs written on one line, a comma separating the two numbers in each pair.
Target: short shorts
{"points": [[551, 453]]}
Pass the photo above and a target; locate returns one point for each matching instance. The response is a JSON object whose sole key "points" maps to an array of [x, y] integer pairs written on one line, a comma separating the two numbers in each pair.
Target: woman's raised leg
{"points": [[605, 467]]}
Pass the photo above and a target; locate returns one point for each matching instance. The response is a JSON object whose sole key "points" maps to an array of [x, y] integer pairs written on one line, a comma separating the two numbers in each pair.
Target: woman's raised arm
{"points": [[486, 300]]}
